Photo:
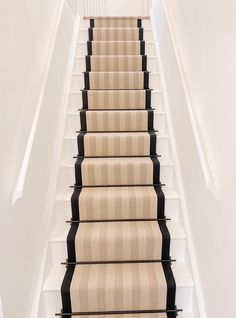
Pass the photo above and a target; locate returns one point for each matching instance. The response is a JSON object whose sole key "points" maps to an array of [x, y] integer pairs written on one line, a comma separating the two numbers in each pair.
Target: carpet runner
{"points": [[118, 244]]}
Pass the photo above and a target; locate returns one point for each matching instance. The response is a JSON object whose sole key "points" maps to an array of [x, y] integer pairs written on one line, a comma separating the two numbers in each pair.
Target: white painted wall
{"points": [[25, 29], [112, 7], [205, 33], [127, 8]]}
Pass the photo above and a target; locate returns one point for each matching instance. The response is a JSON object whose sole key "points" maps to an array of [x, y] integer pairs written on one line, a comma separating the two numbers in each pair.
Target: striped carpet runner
{"points": [[118, 244]]}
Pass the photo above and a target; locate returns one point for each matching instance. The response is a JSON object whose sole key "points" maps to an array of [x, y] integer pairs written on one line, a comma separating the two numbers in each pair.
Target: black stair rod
{"points": [[119, 262], [117, 185], [149, 72], [117, 220], [134, 89], [115, 109], [114, 131], [133, 156], [125, 312]]}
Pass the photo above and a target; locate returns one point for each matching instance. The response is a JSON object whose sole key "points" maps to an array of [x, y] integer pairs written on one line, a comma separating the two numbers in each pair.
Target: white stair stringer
{"points": [[62, 211]]}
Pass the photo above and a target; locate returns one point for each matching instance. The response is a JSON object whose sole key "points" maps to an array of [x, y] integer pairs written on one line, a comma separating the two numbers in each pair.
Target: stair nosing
{"points": [[66, 195], [179, 267], [83, 57], [79, 92], [63, 229], [85, 42], [76, 113]]}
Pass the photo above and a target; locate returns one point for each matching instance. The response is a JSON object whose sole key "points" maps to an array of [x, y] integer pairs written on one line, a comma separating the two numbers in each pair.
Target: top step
{"points": [[115, 17], [115, 22]]}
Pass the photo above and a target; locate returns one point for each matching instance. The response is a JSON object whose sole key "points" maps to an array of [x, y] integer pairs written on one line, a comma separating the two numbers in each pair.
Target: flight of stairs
{"points": [[54, 273]]}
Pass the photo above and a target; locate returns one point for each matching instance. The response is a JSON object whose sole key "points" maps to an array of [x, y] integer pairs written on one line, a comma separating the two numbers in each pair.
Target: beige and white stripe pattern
{"points": [[118, 241], [108, 287], [117, 144], [115, 22], [117, 120], [116, 47], [117, 34], [116, 80], [116, 63], [110, 203], [117, 171], [116, 99]]}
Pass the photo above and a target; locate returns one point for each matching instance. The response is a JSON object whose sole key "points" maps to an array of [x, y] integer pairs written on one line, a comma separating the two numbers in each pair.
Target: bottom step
{"points": [[52, 295], [118, 287]]}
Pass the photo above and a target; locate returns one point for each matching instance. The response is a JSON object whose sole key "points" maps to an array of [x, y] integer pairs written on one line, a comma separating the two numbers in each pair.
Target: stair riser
{"points": [[62, 209], [59, 250], [52, 302], [75, 100], [79, 65], [81, 49], [67, 176], [183, 299], [83, 35], [73, 123], [70, 148], [77, 81]]}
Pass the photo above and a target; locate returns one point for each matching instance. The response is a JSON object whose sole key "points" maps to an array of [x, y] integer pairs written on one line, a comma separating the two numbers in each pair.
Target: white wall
{"points": [[112, 7], [25, 29], [205, 33], [23, 46], [128, 8]]}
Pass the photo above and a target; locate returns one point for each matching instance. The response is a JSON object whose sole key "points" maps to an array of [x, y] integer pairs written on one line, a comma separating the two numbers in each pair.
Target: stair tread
{"points": [[116, 171], [61, 230], [163, 161], [73, 137], [170, 194], [113, 120], [119, 241], [57, 272], [127, 286]]}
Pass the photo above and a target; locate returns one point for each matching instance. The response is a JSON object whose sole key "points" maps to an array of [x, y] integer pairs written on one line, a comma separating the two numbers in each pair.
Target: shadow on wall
{"points": [[24, 227], [199, 37]]}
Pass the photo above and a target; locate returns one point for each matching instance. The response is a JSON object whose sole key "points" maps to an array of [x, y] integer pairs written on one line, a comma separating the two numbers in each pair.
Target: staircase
{"points": [[93, 120]]}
